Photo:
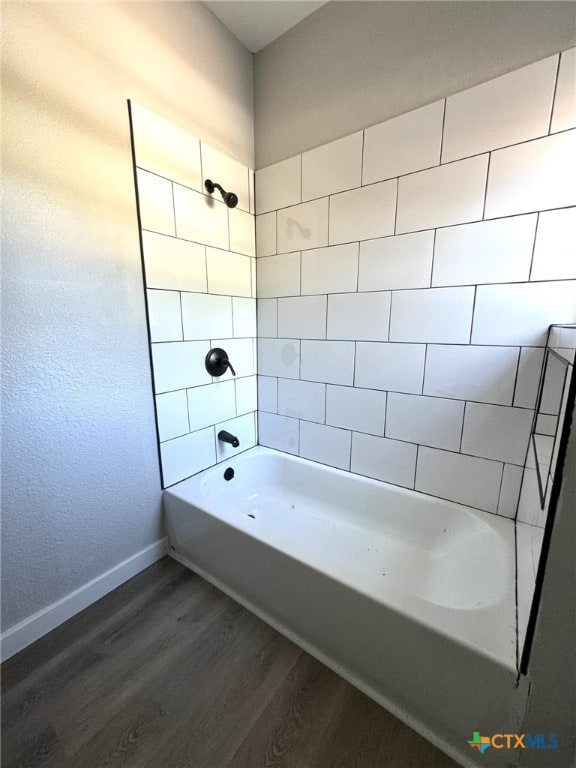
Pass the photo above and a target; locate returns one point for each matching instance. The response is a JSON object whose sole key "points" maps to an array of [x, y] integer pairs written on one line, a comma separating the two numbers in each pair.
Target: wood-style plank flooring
{"points": [[168, 672]]}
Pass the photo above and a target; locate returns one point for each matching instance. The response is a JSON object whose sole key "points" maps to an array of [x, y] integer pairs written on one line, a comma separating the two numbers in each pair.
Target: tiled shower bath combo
{"points": [[407, 276], [395, 303]]}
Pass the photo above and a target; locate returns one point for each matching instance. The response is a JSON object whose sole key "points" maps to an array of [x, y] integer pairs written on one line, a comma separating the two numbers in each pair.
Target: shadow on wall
{"points": [[78, 405]]}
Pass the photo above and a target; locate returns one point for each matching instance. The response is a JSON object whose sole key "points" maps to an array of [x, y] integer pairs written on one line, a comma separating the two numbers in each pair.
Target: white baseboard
{"points": [[26, 632]]}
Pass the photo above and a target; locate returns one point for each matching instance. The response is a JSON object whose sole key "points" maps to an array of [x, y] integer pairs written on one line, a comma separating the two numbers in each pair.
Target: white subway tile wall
{"points": [[243, 317], [407, 143], [359, 316], [267, 395], [184, 456], [164, 316], [519, 314], [528, 378], [278, 275], [205, 315], [363, 213], [431, 421], [172, 413], [278, 432], [510, 490], [173, 264], [328, 361], [267, 317], [330, 270], [534, 176], [333, 167], [279, 357], [383, 459], [165, 149], [564, 115], [432, 315], [214, 402], [396, 262], [242, 232], [228, 273], [555, 250], [200, 275], [362, 410], [327, 445], [229, 173], [391, 367], [439, 197], [279, 185], [200, 218], [155, 203], [302, 399], [497, 432], [481, 374], [246, 395], [303, 226], [302, 317], [430, 255], [507, 110], [266, 234], [178, 365], [472, 254], [458, 477]]}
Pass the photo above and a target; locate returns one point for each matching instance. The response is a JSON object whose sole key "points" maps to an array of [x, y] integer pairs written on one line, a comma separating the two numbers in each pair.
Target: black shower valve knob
{"points": [[217, 362]]}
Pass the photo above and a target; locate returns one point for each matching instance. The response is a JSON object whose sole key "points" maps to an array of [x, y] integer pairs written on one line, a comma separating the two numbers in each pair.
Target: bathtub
{"points": [[409, 597]]}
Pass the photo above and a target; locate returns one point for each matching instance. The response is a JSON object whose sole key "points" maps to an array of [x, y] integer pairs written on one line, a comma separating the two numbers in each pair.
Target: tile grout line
{"points": [[500, 487], [362, 158], [409, 173], [433, 259], [472, 315], [379, 181], [462, 430], [398, 290], [556, 79], [451, 451], [516, 375], [534, 250], [443, 128], [395, 231], [373, 239], [486, 187], [181, 313], [373, 342]]}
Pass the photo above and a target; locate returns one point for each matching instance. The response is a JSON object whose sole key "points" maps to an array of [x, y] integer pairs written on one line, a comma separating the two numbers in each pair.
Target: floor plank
{"points": [[168, 672]]}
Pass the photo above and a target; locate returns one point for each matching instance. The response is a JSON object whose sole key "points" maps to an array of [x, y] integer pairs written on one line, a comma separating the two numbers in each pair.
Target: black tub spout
{"points": [[226, 437]]}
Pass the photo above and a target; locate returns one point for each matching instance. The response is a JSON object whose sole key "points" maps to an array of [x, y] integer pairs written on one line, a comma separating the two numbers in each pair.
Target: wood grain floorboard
{"points": [[168, 672]]}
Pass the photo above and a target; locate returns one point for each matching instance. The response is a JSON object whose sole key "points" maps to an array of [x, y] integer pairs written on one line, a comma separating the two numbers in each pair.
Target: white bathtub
{"points": [[409, 597]]}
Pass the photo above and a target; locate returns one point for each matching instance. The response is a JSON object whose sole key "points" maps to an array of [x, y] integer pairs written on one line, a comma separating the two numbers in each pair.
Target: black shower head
{"points": [[229, 198]]}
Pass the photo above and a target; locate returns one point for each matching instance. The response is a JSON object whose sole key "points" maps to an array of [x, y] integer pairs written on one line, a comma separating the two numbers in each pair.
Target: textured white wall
{"points": [[81, 487], [354, 64]]}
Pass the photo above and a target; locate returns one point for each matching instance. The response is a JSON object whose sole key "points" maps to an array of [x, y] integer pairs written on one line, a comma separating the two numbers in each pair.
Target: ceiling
{"points": [[258, 22]]}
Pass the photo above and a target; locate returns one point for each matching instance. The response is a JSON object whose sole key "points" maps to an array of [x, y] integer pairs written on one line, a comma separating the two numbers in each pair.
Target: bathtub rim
{"points": [[508, 662]]}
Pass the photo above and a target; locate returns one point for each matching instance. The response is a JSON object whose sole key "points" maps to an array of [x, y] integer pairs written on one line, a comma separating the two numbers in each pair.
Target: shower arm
{"points": [[229, 198]]}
